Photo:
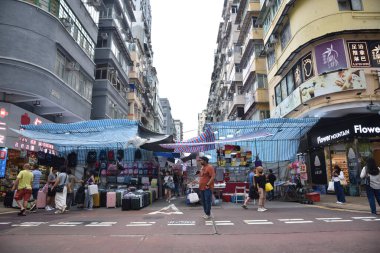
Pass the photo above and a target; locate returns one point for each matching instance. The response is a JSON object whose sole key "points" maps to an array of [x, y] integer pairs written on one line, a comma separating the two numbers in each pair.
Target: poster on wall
{"points": [[330, 56], [3, 161], [297, 74], [307, 67], [349, 79], [374, 53], [358, 52], [318, 167]]}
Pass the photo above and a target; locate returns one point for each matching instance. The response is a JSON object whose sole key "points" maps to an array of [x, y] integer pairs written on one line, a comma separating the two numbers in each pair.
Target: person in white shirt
{"points": [[372, 171], [337, 176], [169, 186]]}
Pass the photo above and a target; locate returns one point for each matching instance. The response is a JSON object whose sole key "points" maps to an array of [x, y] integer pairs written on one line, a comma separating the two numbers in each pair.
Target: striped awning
{"points": [[275, 139], [110, 133]]}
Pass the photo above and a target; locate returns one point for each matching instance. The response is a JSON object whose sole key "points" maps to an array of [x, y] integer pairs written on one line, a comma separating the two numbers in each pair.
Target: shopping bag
{"points": [[343, 182], [331, 186], [93, 189], [268, 187], [193, 197]]}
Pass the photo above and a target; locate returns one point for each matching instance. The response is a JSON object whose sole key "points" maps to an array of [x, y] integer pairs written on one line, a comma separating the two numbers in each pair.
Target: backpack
{"points": [[111, 155], [91, 156], [72, 159]]}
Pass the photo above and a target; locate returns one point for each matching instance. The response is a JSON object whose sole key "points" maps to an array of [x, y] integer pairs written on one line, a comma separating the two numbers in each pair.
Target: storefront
{"points": [[347, 142]]}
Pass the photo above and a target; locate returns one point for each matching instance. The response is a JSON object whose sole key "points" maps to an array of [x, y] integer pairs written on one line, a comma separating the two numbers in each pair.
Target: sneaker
{"points": [[338, 202], [58, 212], [22, 212], [244, 206], [264, 209], [260, 209], [206, 217]]}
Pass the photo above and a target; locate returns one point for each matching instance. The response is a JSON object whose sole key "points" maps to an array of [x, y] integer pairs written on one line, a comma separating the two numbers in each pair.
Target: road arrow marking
{"points": [[170, 209]]}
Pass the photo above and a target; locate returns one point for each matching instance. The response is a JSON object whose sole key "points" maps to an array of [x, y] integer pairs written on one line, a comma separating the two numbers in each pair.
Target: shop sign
{"points": [[330, 56], [374, 53], [3, 161], [307, 67], [318, 167], [366, 130], [358, 52], [332, 137]]}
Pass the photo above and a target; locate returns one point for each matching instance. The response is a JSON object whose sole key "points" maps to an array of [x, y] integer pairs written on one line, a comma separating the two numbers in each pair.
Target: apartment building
{"points": [[178, 133], [323, 61], [168, 126], [47, 66], [238, 83]]}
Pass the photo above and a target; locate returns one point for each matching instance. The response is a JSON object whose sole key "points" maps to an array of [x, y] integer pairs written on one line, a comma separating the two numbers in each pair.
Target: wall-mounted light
{"points": [[37, 103]]}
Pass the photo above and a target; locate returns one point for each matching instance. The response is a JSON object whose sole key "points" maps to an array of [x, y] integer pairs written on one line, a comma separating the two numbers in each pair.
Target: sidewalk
{"points": [[327, 200]]}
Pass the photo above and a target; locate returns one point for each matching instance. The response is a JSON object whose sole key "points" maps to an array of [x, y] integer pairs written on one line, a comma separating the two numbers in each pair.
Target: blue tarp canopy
{"points": [[111, 133], [273, 139]]}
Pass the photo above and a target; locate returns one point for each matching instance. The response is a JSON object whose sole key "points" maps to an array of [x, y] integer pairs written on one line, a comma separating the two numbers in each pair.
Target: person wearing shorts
{"points": [[23, 184], [51, 193], [35, 186]]}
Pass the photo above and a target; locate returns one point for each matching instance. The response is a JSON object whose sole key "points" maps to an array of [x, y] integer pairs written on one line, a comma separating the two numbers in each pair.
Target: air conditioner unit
{"points": [[273, 39], [95, 3], [72, 66], [66, 22], [104, 36]]}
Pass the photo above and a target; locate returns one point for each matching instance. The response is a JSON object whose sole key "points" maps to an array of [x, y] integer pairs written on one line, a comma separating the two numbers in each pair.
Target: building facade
{"points": [[168, 126], [46, 66], [178, 133], [323, 61]]}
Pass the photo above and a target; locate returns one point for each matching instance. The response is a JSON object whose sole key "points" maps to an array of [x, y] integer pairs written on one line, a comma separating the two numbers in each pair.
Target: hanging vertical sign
{"points": [[3, 161], [307, 67], [374, 53], [358, 52]]}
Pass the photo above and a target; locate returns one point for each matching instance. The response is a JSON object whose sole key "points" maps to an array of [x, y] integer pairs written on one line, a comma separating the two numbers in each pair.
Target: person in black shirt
{"points": [[271, 178], [260, 181]]}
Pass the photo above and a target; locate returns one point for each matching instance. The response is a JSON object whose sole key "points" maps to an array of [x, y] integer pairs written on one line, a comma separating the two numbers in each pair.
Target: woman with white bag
{"points": [[337, 177], [88, 203], [60, 187]]}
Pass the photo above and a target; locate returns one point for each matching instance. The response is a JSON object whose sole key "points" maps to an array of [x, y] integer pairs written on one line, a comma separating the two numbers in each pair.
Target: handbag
{"points": [[253, 193], [193, 197], [343, 182], [45, 188], [268, 187], [93, 189], [59, 188], [331, 186]]}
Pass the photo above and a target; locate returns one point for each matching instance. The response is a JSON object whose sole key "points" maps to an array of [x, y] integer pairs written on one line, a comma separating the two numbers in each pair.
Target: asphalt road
{"points": [[165, 228]]}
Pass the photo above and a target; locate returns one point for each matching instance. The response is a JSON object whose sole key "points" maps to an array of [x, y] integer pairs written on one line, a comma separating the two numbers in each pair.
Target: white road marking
{"points": [[219, 223], [29, 224], [257, 222], [5, 223], [298, 222], [290, 219], [181, 223], [101, 224], [66, 224], [360, 218], [371, 219], [170, 209], [141, 224], [328, 218]]}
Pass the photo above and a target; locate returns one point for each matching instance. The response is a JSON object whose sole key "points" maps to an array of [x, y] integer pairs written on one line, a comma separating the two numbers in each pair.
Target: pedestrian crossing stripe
{"points": [[258, 222], [140, 224], [181, 223], [4, 223], [67, 224], [219, 223], [28, 224], [295, 221], [100, 224]]}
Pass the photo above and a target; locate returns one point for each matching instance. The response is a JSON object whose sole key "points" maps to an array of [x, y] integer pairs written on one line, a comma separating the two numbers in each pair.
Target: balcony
{"points": [[257, 65], [259, 96]]}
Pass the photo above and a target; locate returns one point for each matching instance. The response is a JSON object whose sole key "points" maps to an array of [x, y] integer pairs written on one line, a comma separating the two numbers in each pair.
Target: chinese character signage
{"points": [[374, 53], [297, 76], [330, 56], [3, 161], [307, 67], [358, 53]]}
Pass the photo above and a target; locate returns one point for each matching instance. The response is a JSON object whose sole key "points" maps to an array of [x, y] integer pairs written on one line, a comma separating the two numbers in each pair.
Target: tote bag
{"points": [[330, 188], [193, 197]]}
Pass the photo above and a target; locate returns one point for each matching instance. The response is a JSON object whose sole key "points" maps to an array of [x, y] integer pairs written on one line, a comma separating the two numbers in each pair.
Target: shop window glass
{"points": [[285, 36], [350, 5], [278, 94], [284, 90], [290, 82]]}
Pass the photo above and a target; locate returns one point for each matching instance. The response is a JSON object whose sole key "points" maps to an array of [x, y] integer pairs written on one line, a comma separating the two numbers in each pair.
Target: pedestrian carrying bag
{"points": [[343, 182], [268, 187], [59, 188], [193, 197], [93, 189], [330, 188]]}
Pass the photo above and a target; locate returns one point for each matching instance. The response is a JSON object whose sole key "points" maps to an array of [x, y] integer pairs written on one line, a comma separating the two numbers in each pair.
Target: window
{"points": [[234, 9], [277, 91], [270, 59], [290, 82], [262, 81], [350, 5], [284, 89], [285, 36], [60, 63]]}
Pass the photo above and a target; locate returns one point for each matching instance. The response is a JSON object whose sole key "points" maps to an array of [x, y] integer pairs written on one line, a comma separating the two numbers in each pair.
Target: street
{"points": [[162, 227]]}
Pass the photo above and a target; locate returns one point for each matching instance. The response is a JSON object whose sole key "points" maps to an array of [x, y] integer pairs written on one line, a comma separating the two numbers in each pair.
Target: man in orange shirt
{"points": [[206, 185]]}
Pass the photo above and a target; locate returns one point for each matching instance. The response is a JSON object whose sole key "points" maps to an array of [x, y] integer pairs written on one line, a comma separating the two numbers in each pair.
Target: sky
{"points": [[184, 34]]}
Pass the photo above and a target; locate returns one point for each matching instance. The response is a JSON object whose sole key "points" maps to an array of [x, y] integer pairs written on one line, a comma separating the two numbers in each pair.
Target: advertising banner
{"points": [[358, 52], [3, 161], [374, 53], [330, 56]]}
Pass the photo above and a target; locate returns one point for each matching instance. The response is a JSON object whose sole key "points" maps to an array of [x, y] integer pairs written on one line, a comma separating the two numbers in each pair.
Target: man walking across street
{"points": [[35, 186], [23, 184], [250, 196], [206, 185]]}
